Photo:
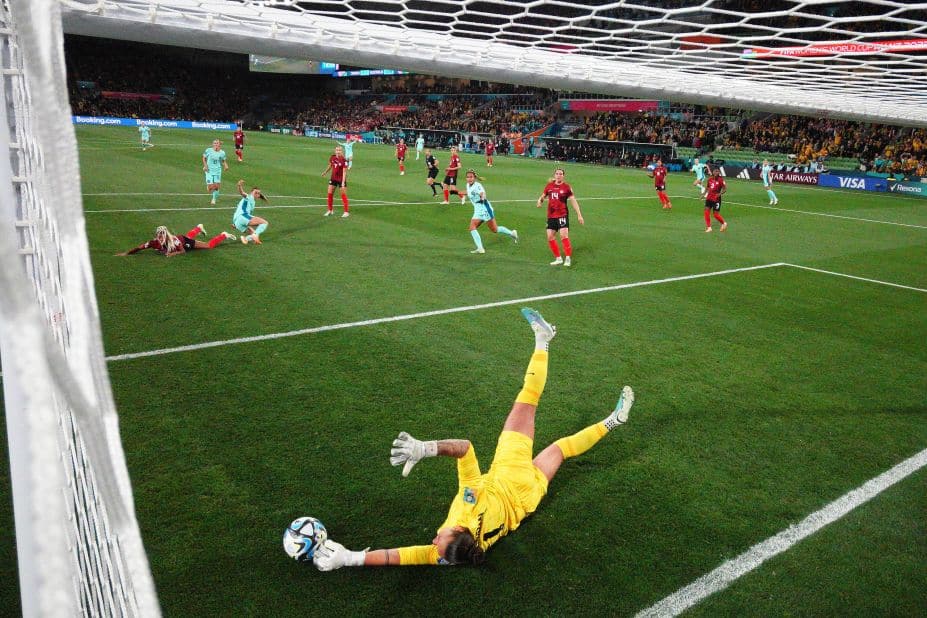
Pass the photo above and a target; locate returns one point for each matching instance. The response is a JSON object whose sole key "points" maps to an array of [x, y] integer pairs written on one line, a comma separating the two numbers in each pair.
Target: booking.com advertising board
{"points": [[154, 122]]}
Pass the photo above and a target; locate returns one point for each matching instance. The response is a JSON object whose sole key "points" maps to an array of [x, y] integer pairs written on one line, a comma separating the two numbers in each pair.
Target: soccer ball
{"points": [[302, 537]]}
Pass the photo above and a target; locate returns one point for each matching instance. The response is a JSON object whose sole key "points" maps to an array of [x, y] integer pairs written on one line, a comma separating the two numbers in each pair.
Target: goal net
{"points": [[856, 60], [78, 544]]}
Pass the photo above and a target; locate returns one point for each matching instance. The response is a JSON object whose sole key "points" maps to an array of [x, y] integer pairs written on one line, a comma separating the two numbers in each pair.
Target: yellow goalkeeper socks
{"points": [[535, 378], [582, 441]]}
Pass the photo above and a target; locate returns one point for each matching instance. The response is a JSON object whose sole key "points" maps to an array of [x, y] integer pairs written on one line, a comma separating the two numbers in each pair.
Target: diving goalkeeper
{"points": [[487, 506]]}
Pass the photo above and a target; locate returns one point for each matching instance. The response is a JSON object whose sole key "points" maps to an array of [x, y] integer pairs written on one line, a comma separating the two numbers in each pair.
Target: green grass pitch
{"points": [[762, 395]]}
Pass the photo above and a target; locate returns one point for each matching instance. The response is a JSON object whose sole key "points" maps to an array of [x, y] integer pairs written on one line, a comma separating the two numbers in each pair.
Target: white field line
{"points": [[836, 274], [809, 212], [426, 314], [319, 205], [389, 203], [728, 572]]}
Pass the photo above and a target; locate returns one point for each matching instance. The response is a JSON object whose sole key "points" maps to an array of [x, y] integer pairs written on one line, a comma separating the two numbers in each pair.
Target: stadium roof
{"points": [[859, 60]]}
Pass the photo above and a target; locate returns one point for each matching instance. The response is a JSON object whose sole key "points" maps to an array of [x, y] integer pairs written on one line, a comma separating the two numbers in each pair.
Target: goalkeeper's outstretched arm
{"points": [[332, 555], [407, 451]]}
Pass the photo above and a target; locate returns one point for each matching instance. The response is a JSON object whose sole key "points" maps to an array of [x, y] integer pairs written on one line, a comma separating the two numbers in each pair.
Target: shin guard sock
{"points": [[581, 441], [535, 379]]}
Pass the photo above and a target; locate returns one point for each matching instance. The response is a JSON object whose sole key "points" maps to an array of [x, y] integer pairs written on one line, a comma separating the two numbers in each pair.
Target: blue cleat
{"points": [[539, 325]]}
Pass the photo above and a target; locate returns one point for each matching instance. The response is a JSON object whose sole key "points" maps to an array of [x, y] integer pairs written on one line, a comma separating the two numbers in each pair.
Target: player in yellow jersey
{"points": [[487, 506]]}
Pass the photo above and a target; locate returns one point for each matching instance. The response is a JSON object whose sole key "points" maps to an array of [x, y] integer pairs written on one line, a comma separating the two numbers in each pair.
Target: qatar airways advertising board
{"points": [[608, 105]]}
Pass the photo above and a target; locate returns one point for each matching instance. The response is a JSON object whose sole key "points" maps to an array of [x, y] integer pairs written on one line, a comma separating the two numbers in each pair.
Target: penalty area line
{"points": [[436, 312], [723, 576], [856, 278]]}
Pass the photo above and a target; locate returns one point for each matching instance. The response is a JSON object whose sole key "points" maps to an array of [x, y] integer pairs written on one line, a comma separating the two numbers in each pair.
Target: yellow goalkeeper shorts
{"points": [[514, 472]]}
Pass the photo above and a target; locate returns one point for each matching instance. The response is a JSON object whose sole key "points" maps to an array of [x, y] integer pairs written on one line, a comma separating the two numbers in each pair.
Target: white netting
{"points": [[78, 545], [858, 60]]}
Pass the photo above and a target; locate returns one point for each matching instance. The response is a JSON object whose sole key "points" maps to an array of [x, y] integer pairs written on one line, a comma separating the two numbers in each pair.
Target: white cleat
{"points": [[445, 202], [230, 236], [244, 239], [539, 325], [567, 261], [619, 415], [775, 201], [202, 229], [515, 236], [557, 262], [707, 229], [346, 215], [478, 251], [213, 202], [402, 173], [328, 213], [724, 226]]}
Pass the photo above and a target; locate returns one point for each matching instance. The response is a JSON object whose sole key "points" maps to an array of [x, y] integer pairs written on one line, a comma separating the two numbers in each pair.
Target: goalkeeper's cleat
{"points": [[542, 329], [202, 229], [480, 250], [557, 262], [244, 239], [515, 236], [620, 414], [567, 261], [230, 236]]}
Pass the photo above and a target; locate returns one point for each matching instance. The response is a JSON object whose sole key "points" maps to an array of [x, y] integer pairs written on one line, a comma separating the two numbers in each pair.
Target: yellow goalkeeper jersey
{"points": [[488, 505]]}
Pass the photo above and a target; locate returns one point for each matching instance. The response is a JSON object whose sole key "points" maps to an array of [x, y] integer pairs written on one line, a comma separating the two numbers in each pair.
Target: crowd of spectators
{"points": [[700, 132], [111, 78], [880, 148]]}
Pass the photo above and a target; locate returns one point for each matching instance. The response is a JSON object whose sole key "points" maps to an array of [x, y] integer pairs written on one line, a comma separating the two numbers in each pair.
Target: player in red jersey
{"points": [[716, 188], [169, 245], [239, 136], [401, 156], [450, 178], [557, 193], [659, 181], [490, 151], [339, 169]]}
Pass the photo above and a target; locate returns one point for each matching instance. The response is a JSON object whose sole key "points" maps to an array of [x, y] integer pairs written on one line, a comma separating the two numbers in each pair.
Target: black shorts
{"points": [[188, 243], [450, 180], [558, 223], [401, 159], [337, 183], [432, 173], [661, 187], [239, 146], [712, 205]]}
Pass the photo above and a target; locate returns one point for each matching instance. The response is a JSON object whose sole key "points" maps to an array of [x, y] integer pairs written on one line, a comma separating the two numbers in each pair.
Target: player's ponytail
{"points": [[464, 550]]}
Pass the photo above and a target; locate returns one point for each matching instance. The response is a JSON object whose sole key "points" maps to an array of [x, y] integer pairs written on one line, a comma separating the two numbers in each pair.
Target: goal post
{"points": [[79, 548], [851, 60]]}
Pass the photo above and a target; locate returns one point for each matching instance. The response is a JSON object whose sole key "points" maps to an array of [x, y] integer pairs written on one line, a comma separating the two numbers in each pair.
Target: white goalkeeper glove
{"points": [[407, 451], [332, 555]]}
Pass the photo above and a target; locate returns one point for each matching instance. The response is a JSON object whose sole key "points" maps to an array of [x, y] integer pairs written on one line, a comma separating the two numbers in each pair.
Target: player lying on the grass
{"points": [[244, 220], [482, 211], [487, 506], [169, 245]]}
